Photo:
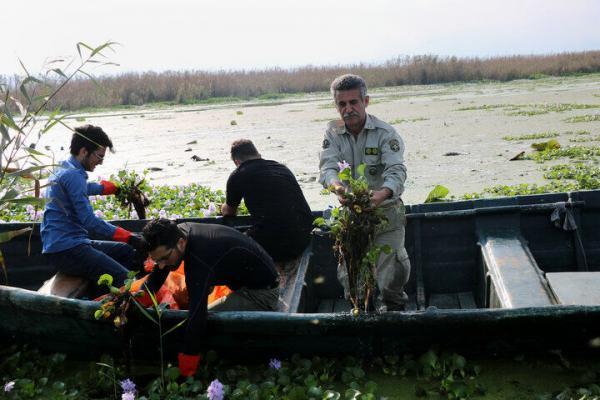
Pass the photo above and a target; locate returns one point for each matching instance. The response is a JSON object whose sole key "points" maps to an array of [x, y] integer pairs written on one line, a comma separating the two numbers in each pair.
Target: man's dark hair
{"points": [[349, 82], [243, 149], [161, 232], [89, 137]]}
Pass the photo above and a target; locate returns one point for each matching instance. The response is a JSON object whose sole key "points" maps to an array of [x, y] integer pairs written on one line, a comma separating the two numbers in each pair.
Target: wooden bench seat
{"points": [[575, 288], [515, 278], [64, 285]]}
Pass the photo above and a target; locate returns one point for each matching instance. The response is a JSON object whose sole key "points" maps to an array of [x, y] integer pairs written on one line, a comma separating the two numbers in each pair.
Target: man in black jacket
{"points": [[213, 255], [273, 198]]}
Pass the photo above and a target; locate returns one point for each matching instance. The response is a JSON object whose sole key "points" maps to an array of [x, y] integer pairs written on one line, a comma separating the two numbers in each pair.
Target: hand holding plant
{"points": [[131, 192], [353, 226]]}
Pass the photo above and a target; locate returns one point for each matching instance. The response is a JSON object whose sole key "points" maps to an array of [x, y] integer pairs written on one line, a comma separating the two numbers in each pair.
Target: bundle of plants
{"points": [[131, 193], [353, 226]]}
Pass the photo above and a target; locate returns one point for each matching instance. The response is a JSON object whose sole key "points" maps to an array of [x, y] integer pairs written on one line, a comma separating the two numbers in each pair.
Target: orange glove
{"points": [[188, 364], [109, 187], [121, 235]]}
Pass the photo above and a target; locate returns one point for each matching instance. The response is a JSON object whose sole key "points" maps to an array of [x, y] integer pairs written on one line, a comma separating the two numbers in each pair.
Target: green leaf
{"points": [[345, 175], [34, 151], [105, 279], [175, 327], [98, 314], [144, 311], [4, 132], [59, 71], [6, 236], [437, 194], [361, 169], [25, 200], [80, 45], [319, 221], [27, 171], [98, 49]]}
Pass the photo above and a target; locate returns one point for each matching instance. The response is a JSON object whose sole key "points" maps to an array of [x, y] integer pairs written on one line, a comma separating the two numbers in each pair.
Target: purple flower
{"points": [[99, 213], [343, 165], [215, 390], [8, 386], [127, 385], [205, 212], [212, 208], [162, 214], [134, 215], [128, 396], [30, 208], [274, 363]]}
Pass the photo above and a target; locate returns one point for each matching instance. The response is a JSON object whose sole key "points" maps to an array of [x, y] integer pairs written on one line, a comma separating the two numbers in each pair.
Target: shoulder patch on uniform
{"points": [[394, 145], [326, 143], [371, 151]]}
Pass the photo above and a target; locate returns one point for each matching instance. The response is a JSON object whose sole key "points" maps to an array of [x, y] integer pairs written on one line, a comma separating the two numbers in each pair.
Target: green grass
{"points": [[542, 135], [583, 118]]}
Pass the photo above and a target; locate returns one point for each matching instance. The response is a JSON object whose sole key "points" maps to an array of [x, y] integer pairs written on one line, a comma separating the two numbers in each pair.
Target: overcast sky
{"points": [[242, 34]]}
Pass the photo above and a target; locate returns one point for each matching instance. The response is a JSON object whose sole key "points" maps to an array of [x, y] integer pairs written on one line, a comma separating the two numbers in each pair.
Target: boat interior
{"points": [[524, 251]]}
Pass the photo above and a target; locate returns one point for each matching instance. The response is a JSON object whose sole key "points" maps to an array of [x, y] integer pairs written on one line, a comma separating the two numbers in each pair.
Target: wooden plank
{"points": [[444, 301], [326, 306], [341, 305], [576, 288], [467, 300]]}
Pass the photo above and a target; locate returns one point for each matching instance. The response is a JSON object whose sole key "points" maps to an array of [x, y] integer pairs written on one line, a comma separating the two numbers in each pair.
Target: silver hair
{"points": [[349, 82]]}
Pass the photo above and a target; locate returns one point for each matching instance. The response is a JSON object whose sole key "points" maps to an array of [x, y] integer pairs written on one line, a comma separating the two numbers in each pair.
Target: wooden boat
{"points": [[492, 273]]}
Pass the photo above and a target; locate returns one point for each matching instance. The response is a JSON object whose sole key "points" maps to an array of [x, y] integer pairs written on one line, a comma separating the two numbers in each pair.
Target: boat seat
{"points": [[515, 278], [575, 288], [64, 285], [291, 282]]}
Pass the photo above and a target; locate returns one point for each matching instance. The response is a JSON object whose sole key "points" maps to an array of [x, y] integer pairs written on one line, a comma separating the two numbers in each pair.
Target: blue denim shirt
{"points": [[68, 216]]}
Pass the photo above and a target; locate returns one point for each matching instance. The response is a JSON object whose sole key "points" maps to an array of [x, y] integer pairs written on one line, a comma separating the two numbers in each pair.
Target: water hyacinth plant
{"points": [[353, 226], [131, 192]]}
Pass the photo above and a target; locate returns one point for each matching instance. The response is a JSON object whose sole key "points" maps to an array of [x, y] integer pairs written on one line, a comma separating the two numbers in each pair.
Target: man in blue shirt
{"points": [[69, 217]]}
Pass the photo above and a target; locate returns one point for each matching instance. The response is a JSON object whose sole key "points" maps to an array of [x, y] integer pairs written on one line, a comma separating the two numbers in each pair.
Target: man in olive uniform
{"points": [[360, 138]]}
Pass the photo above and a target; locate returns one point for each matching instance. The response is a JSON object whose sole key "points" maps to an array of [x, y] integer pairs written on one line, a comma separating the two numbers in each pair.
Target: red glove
{"points": [[188, 364], [109, 187], [121, 235]]}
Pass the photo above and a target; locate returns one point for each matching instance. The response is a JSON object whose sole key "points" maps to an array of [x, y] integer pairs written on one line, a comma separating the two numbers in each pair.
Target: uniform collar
{"points": [[369, 125], [75, 163]]}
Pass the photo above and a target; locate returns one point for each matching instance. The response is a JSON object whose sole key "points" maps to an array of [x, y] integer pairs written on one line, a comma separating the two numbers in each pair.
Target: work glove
{"points": [[109, 188], [137, 242], [133, 239], [188, 364]]}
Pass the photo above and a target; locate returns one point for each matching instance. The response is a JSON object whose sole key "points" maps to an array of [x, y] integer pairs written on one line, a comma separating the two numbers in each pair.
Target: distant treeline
{"points": [[190, 87]]}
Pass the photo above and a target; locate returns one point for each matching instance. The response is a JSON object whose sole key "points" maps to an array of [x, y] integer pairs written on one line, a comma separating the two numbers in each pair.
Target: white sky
{"points": [[245, 34]]}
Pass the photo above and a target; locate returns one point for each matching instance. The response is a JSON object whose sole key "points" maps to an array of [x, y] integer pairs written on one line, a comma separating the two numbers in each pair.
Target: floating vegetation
{"points": [[579, 132], [541, 135], [583, 118], [485, 107], [403, 120], [522, 189], [532, 109], [587, 176], [585, 139], [545, 146], [324, 119], [572, 152]]}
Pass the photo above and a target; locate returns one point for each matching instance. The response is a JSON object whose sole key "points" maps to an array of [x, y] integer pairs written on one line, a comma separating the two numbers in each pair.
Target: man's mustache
{"points": [[350, 114]]}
